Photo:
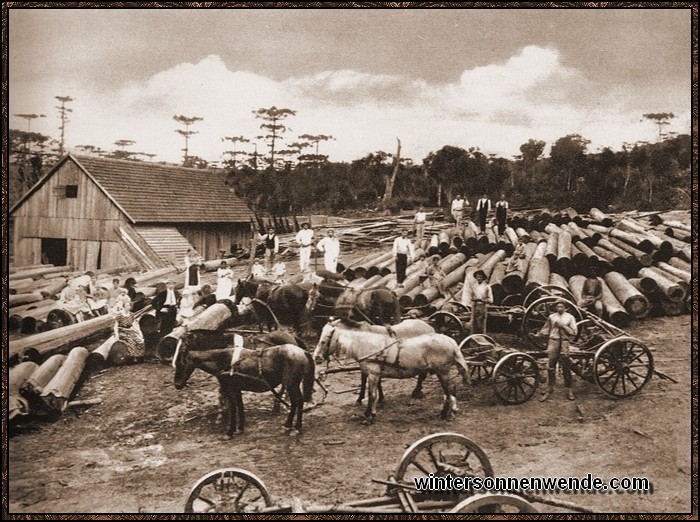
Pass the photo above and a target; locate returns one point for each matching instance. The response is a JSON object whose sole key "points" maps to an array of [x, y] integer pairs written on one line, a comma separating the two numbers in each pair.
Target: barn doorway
{"points": [[54, 251]]}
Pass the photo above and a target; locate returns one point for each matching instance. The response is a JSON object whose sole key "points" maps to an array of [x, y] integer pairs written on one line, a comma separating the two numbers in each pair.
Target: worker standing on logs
{"points": [[559, 327], [457, 210], [305, 239], [402, 250], [165, 304], [479, 294], [501, 214], [419, 224], [592, 293], [483, 207], [330, 246]]}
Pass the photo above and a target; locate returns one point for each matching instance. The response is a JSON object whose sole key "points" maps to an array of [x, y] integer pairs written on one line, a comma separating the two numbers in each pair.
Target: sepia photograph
{"points": [[385, 258]]}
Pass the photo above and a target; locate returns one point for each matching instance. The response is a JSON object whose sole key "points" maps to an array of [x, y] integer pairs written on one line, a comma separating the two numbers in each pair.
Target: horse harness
{"points": [[371, 356], [235, 359]]}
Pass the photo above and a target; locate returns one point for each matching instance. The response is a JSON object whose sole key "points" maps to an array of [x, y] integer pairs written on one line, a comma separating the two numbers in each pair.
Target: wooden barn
{"points": [[95, 213]]}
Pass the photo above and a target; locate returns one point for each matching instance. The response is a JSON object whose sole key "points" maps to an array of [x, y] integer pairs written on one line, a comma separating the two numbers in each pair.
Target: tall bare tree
{"points": [[63, 114], [186, 121], [272, 117]]}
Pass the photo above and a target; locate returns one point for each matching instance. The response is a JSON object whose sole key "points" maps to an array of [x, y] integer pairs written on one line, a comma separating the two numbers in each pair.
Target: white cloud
{"points": [[495, 107]]}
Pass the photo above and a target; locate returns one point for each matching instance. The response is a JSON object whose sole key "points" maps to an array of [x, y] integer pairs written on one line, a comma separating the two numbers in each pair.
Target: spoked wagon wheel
{"points": [[448, 324], [230, 490], [441, 454], [472, 345], [515, 378], [548, 291], [536, 315], [622, 366], [494, 503]]}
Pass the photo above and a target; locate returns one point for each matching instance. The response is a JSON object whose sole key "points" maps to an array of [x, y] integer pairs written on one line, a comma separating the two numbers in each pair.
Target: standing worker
{"points": [[305, 239], [272, 247], [559, 327], [419, 224], [330, 246], [458, 210], [501, 214], [478, 295], [483, 207], [403, 249]]}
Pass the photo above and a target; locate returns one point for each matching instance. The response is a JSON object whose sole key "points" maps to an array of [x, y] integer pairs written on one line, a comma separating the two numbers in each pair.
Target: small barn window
{"points": [[71, 191]]}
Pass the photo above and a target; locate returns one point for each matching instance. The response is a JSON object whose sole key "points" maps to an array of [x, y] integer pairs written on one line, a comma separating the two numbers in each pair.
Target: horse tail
{"points": [[309, 377]]}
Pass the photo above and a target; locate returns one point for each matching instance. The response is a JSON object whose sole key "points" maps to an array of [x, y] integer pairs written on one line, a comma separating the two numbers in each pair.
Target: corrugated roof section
{"points": [[151, 193]]}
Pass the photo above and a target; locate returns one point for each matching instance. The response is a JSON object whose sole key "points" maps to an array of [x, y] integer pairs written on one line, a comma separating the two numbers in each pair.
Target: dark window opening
{"points": [[54, 251], [71, 191]]}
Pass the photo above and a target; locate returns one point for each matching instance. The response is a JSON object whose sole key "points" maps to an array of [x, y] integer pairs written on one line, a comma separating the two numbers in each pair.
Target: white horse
{"points": [[383, 355]]}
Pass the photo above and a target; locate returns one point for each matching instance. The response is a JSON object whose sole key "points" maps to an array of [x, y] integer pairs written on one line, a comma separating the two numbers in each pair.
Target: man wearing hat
{"points": [[457, 209], [305, 240], [477, 294], [165, 303], [559, 328]]}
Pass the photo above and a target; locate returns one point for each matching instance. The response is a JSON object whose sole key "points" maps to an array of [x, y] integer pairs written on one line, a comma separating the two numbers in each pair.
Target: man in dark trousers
{"points": [[272, 247], [483, 207], [501, 214], [165, 304]]}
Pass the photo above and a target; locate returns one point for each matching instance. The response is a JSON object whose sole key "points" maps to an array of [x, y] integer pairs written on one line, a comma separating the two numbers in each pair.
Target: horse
{"points": [[382, 355], [403, 330], [376, 305], [255, 370], [285, 301]]}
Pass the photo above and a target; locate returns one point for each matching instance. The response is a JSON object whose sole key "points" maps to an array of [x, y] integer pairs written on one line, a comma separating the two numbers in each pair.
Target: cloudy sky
{"points": [[486, 78]]}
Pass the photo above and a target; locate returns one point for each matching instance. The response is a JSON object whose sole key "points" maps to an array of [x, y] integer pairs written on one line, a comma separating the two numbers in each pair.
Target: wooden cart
{"points": [[235, 490]]}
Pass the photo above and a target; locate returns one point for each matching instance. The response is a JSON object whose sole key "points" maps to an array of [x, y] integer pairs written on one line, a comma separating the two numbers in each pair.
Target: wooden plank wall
{"points": [[210, 238]]}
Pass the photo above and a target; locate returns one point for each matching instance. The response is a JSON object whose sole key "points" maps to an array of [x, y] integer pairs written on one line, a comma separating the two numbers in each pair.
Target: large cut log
{"points": [[552, 248], [19, 374], [667, 246], [452, 265], [209, 319], [514, 282], [641, 256], [54, 341], [673, 291], [35, 273], [614, 310], [682, 275], [495, 281], [538, 271], [579, 259], [677, 224], [215, 264], [600, 217], [372, 282], [35, 384], [558, 280], [619, 263], [564, 265], [59, 389], [679, 263], [640, 242], [22, 299], [100, 355], [434, 246], [511, 235], [636, 304], [631, 226], [522, 233]]}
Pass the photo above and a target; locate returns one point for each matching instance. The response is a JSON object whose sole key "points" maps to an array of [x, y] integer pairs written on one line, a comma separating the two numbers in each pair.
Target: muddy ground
{"points": [[146, 444]]}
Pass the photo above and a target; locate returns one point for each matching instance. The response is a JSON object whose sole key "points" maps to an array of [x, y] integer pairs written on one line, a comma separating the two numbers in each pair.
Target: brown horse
{"points": [[287, 302], [255, 370], [375, 305]]}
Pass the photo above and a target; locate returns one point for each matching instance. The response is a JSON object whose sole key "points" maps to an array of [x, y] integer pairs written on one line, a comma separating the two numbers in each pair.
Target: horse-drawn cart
{"points": [[435, 457]]}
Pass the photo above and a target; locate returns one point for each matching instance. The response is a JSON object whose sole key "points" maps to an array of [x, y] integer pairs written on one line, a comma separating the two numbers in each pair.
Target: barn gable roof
{"points": [[151, 193]]}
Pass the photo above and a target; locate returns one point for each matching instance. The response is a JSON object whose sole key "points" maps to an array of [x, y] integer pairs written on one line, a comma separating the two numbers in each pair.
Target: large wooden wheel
{"points": [[494, 503], [448, 324], [229, 490], [536, 315], [622, 366], [548, 291], [515, 378], [457, 308], [441, 454]]}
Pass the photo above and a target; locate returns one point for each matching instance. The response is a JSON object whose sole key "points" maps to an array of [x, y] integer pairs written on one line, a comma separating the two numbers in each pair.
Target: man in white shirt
{"points": [[330, 246], [419, 224], [483, 207], [305, 239], [478, 295], [403, 251], [458, 210]]}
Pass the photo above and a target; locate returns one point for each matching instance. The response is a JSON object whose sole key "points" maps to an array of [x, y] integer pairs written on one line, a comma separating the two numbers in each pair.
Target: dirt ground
{"points": [[146, 444]]}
